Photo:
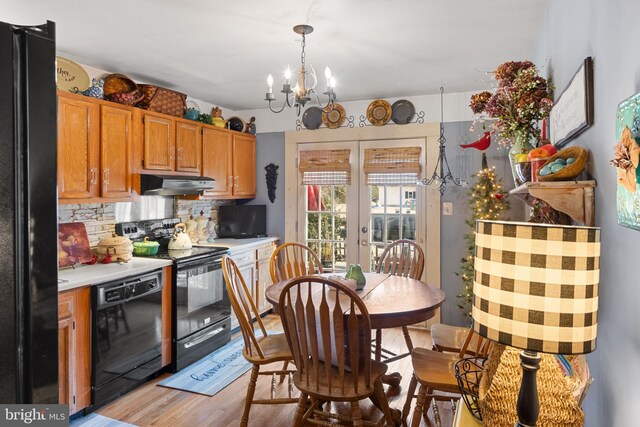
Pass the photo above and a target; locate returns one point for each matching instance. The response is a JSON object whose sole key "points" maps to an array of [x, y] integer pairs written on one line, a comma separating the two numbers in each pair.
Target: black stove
{"points": [[161, 231], [201, 309]]}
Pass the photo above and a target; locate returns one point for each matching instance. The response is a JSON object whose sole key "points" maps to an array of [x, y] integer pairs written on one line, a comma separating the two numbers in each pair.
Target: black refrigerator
{"points": [[28, 215]]}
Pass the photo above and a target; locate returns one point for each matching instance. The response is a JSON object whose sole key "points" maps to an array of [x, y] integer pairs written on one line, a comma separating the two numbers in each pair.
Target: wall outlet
{"points": [[447, 208]]}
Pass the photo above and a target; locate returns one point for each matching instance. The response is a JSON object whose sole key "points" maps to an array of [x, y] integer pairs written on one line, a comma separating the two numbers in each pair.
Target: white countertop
{"points": [[236, 245], [100, 273]]}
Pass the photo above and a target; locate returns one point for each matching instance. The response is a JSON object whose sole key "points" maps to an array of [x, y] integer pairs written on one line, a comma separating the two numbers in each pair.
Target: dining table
{"points": [[392, 301]]}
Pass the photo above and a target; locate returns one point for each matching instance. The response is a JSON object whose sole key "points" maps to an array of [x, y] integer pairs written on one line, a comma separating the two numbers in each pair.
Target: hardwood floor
{"points": [[151, 405]]}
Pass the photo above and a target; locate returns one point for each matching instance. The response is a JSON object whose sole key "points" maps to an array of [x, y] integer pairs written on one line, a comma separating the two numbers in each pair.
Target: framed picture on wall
{"points": [[572, 113]]}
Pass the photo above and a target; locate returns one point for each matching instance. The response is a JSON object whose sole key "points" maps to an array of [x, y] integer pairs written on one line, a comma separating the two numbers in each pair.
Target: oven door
{"points": [[201, 297]]}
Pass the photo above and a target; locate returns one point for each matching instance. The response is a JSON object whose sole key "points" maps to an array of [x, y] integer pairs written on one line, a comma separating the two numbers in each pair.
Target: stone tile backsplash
{"points": [[100, 218]]}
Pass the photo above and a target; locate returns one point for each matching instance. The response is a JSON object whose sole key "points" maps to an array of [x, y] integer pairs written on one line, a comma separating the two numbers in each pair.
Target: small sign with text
{"points": [[34, 415]]}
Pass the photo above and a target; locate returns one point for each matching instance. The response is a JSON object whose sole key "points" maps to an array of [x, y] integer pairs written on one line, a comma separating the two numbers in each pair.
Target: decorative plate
{"points": [[333, 117], [402, 111], [237, 124], [312, 118], [71, 76], [379, 112]]}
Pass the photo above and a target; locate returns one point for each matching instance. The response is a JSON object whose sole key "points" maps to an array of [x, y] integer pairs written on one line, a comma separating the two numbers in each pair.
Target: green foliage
{"points": [[487, 200]]}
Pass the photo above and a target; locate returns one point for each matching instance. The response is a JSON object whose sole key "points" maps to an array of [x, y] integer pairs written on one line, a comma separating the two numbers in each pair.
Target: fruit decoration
{"points": [[272, 178]]}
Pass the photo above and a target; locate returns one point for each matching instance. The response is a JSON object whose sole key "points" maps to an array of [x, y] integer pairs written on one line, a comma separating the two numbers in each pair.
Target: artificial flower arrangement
{"points": [[520, 100]]}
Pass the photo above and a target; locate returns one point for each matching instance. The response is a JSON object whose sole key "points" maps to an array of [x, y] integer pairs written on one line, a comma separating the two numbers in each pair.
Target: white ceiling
{"points": [[221, 51]]}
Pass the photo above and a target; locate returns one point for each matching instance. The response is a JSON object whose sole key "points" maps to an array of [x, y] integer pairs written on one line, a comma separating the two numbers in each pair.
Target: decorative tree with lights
{"points": [[487, 200]]}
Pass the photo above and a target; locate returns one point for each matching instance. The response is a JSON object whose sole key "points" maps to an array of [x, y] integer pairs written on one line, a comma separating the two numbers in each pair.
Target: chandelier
{"points": [[305, 87], [439, 176]]}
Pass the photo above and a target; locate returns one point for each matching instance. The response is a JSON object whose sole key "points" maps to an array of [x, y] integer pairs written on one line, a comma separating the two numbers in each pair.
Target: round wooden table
{"points": [[392, 301]]}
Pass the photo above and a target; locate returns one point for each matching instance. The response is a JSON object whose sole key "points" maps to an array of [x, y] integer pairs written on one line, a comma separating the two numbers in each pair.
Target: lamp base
{"points": [[528, 405]]}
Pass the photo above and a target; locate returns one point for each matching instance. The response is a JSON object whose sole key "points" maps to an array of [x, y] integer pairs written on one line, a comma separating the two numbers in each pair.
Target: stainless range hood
{"points": [[169, 185]]}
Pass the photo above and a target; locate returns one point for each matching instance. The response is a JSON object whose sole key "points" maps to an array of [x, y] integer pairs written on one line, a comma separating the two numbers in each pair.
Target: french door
{"points": [[354, 222]]}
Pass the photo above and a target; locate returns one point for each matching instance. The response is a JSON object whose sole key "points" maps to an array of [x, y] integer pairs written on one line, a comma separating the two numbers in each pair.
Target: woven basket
{"points": [[500, 384], [128, 98], [118, 83], [162, 100], [570, 171]]}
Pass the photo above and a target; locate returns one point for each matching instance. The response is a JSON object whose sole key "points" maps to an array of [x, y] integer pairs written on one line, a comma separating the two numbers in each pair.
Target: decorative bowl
{"points": [[523, 171], [570, 171]]}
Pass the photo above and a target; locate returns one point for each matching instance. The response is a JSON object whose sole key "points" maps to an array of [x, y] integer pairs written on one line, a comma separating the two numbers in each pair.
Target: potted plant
{"points": [[521, 99]]}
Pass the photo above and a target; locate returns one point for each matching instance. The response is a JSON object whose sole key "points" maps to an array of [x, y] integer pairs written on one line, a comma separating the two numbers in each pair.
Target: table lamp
{"points": [[535, 288]]}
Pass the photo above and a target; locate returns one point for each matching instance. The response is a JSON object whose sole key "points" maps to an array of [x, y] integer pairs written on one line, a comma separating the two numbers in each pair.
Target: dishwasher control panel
{"points": [[120, 291]]}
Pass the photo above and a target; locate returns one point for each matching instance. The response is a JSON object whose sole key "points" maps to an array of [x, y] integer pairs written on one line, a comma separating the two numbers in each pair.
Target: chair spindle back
{"points": [[325, 321], [402, 258], [293, 260]]}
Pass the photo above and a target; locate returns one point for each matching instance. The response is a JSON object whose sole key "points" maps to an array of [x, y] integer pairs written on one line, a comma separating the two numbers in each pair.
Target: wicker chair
{"points": [[259, 351], [331, 350], [401, 258], [293, 260]]}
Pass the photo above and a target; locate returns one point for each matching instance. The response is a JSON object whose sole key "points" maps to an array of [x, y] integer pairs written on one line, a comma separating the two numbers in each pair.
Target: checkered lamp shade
{"points": [[535, 286]]}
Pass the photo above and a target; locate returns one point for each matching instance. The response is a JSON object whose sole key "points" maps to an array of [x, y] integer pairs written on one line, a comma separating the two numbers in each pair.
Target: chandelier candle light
{"points": [[305, 87]]}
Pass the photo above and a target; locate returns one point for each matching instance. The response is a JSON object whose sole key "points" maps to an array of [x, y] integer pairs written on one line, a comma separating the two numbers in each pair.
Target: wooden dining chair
{"points": [[401, 258], [293, 260], [262, 350], [434, 371], [331, 350], [450, 338]]}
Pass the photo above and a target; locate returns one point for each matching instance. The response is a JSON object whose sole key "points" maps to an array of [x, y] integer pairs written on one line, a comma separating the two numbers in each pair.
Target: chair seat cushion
{"points": [[434, 369], [337, 393], [274, 347]]}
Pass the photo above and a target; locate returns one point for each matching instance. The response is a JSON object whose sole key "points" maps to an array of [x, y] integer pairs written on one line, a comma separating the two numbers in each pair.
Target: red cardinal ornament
{"points": [[481, 144], [498, 196]]}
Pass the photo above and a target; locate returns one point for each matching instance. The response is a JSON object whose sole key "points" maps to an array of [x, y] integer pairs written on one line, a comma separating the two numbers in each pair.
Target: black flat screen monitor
{"points": [[243, 221]]}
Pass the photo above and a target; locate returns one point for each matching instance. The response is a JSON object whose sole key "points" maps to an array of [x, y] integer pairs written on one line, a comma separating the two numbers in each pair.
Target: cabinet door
{"points": [[78, 131], [244, 166], [216, 160], [188, 143], [115, 151], [159, 143], [66, 370], [248, 272], [264, 281]]}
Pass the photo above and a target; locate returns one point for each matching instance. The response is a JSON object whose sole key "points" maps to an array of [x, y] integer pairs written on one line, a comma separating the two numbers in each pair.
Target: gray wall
{"points": [[270, 149], [608, 31], [464, 163]]}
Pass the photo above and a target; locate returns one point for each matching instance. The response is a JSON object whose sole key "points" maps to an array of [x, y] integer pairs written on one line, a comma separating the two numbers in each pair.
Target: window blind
{"points": [[325, 167], [392, 166]]}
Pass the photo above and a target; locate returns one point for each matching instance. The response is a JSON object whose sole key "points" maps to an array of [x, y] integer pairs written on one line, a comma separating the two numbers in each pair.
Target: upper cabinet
{"points": [[230, 159], [104, 146], [170, 144], [244, 166], [94, 149], [78, 147]]}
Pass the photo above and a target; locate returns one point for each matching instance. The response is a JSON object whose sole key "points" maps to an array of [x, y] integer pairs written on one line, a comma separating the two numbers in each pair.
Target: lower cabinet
{"points": [[253, 264], [74, 348]]}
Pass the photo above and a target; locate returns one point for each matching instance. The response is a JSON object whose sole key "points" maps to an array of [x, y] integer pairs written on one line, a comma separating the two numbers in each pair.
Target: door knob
{"points": [[364, 229], [364, 242]]}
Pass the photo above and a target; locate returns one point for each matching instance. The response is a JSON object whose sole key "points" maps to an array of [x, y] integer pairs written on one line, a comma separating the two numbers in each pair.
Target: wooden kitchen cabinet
{"points": [[217, 151], [74, 348], [78, 147], [115, 151], [229, 158], [188, 147], [158, 142], [94, 149], [244, 165]]}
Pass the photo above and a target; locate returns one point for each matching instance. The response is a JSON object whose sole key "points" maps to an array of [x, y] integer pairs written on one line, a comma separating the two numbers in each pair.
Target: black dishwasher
{"points": [[126, 335]]}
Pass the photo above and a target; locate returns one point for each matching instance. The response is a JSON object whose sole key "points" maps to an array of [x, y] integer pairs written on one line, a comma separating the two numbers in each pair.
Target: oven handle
{"points": [[204, 337], [216, 262]]}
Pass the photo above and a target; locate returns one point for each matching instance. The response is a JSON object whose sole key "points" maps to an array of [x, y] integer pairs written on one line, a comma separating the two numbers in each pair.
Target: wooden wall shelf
{"points": [[575, 198]]}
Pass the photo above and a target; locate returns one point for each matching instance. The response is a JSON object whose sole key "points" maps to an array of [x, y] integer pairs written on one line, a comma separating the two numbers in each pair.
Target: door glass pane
{"points": [[327, 230], [392, 217]]}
